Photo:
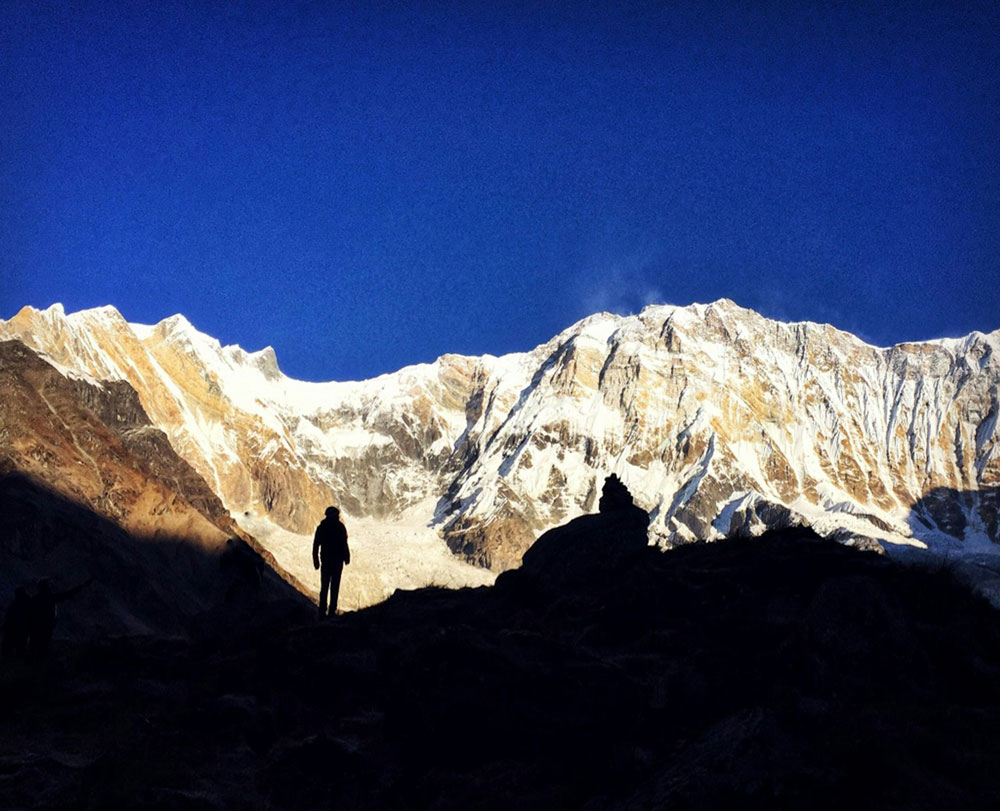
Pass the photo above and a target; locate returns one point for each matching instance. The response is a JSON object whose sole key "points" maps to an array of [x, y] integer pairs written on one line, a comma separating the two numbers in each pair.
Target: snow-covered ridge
{"points": [[261, 440], [718, 419], [600, 327]]}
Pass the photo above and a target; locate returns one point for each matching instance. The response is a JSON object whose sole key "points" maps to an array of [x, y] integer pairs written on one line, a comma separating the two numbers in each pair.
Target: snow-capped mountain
{"points": [[719, 421]]}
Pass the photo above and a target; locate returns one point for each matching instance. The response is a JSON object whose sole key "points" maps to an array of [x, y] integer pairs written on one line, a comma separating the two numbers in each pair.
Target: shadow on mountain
{"points": [[953, 511], [158, 586], [775, 672]]}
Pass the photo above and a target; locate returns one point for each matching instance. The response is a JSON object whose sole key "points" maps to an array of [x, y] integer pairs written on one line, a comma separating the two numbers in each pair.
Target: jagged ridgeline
{"points": [[721, 422]]}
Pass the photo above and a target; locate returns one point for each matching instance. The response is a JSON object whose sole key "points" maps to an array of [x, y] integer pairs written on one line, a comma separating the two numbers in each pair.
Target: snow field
{"points": [[385, 556]]}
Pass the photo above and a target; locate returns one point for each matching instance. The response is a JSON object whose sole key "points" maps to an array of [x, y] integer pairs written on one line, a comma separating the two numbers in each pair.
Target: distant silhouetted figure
{"points": [[15, 625], [42, 616], [330, 548]]}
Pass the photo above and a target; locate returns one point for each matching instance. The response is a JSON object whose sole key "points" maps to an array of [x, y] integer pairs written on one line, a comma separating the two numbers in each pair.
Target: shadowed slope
{"points": [[141, 585], [96, 445], [961, 513], [778, 672]]}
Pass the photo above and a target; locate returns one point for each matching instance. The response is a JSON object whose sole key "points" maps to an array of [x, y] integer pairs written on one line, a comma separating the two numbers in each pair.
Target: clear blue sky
{"points": [[368, 185]]}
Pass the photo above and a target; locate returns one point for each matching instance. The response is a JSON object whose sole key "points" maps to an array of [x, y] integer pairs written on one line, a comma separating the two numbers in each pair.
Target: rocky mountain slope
{"points": [[722, 422], [776, 672], [136, 584], [90, 490], [93, 443]]}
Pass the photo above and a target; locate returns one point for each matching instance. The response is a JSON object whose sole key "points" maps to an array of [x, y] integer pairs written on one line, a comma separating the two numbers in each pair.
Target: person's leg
{"points": [[335, 588], [324, 586]]}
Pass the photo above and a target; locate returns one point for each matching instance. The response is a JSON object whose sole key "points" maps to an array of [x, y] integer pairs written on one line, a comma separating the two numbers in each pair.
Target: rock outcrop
{"points": [[590, 546]]}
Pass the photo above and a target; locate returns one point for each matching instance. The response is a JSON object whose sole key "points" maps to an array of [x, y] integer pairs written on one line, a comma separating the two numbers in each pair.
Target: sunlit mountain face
{"points": [[721, 422]]}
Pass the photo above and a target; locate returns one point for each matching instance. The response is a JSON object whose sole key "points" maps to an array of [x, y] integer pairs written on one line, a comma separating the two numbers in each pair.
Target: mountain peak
{"points": [[720, 420], [175, 323], [266, 361], [106, 314], [54, 312], [178, 330]]}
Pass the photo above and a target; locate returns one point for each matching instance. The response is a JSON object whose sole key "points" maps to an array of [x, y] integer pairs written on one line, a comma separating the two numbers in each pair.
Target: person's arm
{"points": [[316, 549], [347, 549]]}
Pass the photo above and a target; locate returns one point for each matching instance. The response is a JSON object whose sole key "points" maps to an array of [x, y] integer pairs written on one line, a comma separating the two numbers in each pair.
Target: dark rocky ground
{"points": [[779, 672]]}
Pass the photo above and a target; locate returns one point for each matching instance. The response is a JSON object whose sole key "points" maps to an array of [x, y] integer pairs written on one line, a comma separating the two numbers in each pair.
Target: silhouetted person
{"points": [[330, 548], [42, 616], [15, 625]]}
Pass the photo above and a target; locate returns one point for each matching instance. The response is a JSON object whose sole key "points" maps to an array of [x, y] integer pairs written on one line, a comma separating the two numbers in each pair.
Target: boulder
{"points": [[590, 546]]}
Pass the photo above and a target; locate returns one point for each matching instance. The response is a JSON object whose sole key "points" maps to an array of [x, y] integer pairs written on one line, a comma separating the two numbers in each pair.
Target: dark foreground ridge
{"points": [[778, 672]]}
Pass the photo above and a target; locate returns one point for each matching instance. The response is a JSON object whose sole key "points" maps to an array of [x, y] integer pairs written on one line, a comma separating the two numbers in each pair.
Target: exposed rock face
{"points": [[265, 444], [724, 423], [94, 444], [721, 422], [498, 546]]}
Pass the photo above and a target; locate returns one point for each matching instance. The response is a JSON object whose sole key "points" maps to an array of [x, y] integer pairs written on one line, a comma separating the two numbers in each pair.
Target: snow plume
{"points": [[620, 280]]}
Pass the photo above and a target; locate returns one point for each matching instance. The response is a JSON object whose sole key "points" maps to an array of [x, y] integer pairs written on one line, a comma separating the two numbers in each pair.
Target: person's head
{"points": [[333, 513], [20, 593], [44, 586]]}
